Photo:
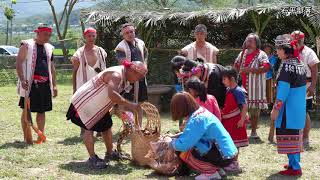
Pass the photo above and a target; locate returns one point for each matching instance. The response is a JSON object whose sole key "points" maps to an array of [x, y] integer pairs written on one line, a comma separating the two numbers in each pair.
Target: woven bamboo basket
{"points": [[140, 139]]}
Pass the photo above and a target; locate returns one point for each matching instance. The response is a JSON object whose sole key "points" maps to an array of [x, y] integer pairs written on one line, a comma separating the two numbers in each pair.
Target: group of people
{"points": [[286, 80], [213, 103]]}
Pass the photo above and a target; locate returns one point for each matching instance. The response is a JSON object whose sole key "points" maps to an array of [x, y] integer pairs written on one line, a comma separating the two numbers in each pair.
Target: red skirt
{"points": [[238, 135]]}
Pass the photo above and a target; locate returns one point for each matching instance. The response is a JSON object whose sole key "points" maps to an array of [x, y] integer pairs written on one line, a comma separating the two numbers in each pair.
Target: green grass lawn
{"points": [[63, 155], [58, 52]]}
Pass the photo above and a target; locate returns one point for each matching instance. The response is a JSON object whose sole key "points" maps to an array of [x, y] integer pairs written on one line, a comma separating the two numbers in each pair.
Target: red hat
{"points": [[43, 28], [89, 30]]}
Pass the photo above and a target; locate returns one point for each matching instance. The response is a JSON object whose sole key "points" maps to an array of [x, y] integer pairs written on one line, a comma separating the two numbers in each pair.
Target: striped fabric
{"points": [[91, 100], [290, 143], [201, 166], [231, 114], [256, 86], [241, 143], [255, 83]]}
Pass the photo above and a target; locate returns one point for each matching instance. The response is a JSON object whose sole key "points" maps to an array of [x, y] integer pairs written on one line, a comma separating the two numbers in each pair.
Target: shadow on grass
{"points": [[82, 167], [277, 176], [15, 144], [255, 141], [155, 175], [71, 141]]}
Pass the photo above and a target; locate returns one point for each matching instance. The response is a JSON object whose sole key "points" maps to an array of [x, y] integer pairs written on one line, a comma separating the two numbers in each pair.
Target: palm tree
{"points": [[260, 21], [314, 33]]}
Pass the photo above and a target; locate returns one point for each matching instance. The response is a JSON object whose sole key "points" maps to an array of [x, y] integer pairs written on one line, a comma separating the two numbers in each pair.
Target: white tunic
{"points": [[193, 53], [92, 101], [30, 63]]}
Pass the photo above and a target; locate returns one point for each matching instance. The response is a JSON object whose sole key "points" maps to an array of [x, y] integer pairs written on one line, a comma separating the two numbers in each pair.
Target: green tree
{"points": [[314, 33], [260, 21], [62, 22]]}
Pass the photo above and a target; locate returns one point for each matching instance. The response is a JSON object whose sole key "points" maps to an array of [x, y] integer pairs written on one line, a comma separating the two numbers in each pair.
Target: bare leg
{"points": [[27, 134], [107, 138], [307, 127], [41, 120], [254, 120], [271, 132], [89, 142], [306, 131]]}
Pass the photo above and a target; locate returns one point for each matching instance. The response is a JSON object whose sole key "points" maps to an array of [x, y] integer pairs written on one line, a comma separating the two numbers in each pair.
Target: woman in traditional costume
{"points": [[205, 144], [289, 110]]}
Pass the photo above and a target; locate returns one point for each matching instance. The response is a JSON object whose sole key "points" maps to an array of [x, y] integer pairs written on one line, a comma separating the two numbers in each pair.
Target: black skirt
{"points": [[104, 124], [215, 85], [143, 92], [40, 98], [213, 156]]}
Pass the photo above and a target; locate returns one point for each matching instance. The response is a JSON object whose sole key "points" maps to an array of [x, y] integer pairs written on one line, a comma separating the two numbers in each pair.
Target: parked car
{"points": [[9, 50]]}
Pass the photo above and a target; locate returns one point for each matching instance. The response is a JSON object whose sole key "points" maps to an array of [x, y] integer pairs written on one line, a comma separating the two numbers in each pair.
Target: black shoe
{"points": [[114, 156], [96, 163]]}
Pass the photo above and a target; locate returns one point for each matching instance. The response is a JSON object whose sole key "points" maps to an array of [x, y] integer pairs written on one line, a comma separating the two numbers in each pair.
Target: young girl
{"points": [[199, 91], [234, 113]]}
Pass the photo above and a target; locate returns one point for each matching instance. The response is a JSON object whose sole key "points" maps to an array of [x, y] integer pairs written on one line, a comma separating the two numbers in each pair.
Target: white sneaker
{"points": [[216, 175]]}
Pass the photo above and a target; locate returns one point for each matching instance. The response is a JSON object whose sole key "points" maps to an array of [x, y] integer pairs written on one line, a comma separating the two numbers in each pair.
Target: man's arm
{"points": [[314, 78], [21, 57], [214, 58], [54, 79], [75, 68], [263, 69], [114, 81]]}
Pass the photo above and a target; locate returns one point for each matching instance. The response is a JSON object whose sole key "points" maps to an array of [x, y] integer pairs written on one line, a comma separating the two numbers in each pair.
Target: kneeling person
{"points": [[91, 103]]}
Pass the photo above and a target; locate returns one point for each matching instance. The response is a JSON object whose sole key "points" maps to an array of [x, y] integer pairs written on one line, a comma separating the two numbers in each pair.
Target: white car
{"points": [[9, 51]]}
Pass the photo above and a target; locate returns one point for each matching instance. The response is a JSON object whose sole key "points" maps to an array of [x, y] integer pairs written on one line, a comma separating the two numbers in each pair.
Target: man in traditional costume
{"points": [[289, 110], [310, 61], [133, 49], [201, 48], [252, 64], [87, 62], [91, 103], [37, 75]]}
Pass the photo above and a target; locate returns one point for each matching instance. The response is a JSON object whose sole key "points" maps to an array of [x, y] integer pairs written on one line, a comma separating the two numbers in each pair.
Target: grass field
{"points": [[63, 156], [58, 52]]}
